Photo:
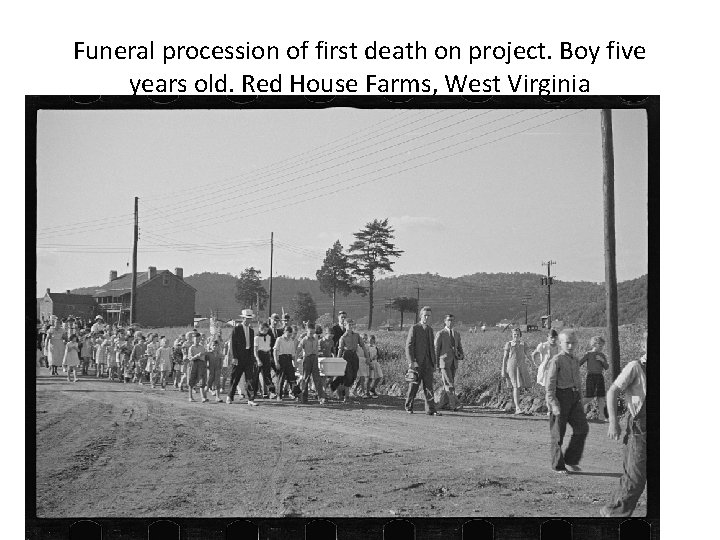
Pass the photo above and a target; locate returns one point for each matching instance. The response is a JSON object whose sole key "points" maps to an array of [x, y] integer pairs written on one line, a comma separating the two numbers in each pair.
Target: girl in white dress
{"points": [[71, 359], [163, 361]]}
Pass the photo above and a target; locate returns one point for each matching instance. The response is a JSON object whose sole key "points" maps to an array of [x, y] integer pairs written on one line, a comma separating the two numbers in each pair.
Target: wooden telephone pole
{"points": [[548, 281], [417, 311], [271, 274], [611, 298], [133, 287]]}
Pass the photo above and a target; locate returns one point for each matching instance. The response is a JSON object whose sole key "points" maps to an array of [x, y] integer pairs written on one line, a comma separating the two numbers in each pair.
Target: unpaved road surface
{"points": [[116, 450]]}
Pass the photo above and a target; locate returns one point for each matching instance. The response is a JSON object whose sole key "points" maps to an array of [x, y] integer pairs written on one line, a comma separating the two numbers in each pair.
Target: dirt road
{"points": [[116, 450]]}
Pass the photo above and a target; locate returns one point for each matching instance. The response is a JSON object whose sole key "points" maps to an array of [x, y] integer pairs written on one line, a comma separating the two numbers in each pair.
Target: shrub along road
{"points": [[116, 450]]}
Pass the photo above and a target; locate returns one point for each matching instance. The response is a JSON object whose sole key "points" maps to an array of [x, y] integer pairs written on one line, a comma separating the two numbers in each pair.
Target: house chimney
{"points": [[152, 270], [47, 291], [179, 272], [113, 275], [67, 291]]}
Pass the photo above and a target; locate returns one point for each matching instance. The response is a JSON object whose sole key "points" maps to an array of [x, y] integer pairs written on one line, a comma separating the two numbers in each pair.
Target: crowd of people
{"points": [[278, 360]]}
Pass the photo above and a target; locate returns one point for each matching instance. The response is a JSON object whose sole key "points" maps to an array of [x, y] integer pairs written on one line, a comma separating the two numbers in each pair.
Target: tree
{"points": [[335, 275], [249, 290], [302, 308], [371, 253], [403, 304]]}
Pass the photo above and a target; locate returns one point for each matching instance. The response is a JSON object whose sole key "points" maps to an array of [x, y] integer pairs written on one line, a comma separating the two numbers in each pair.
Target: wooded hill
{"points": [[473, 299]]}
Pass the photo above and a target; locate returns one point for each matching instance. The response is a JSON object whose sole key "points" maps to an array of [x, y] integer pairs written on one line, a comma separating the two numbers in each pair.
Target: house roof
{"points": [[123, 283], [64, 298]]}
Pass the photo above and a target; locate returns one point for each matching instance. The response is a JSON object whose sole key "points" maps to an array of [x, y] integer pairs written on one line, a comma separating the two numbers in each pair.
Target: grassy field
{"points": [[478, 377]]}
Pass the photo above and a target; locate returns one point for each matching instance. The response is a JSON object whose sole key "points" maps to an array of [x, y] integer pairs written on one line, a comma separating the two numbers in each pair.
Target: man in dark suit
{"points": [[242, 342], [420, 352], [338, 330], [449, 351]]}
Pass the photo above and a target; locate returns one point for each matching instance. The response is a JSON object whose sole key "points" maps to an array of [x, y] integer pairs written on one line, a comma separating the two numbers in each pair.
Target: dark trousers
{"points": [[426, 379], [286, 373], [311, 370], [247, 368], [351, 369], [571, 412], [264, 372], [632, 482]]}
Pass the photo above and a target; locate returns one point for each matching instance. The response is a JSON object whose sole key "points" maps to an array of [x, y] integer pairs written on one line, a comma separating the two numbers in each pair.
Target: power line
{"points": [[322, 191], [345, 161]]}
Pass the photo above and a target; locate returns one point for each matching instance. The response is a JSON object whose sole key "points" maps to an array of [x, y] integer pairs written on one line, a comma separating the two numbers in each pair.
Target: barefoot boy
{"points": [[563, 395]]}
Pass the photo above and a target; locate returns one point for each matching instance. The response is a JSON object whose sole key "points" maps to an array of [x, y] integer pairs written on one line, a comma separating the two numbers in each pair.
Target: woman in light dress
{"points": [[514, 366], [54, 347]]}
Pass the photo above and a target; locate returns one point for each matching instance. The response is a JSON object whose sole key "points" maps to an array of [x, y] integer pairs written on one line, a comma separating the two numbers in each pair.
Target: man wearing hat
{"points": [[241, 352]]}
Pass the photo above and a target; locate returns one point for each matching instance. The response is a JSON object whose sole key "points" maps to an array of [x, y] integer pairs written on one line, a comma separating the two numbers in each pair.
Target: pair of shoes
{"points": [[409, 411], [191, 400], [323, 401], [218, 400], [228, 400], [560, 471], [434, 413], [573, 468], [252, 403], [273, 395], [205, 400], [518, 411]]}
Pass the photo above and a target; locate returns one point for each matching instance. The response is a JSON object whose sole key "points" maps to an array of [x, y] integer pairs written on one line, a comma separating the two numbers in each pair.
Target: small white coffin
{"points": [[331, 367]]}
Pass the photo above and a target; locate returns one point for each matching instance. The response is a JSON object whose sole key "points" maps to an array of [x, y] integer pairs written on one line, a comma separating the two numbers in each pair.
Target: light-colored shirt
{"points": [[285, 345], [263, 342], [633, 382], [308, 345], [247, 335], [562, 372]]}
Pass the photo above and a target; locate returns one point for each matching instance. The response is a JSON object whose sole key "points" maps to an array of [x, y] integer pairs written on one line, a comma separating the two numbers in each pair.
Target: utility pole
{"points": [[257, 302], [611, 298], [417, 311], [133, 287], [271, 272], [548, 281], [525, 300]]}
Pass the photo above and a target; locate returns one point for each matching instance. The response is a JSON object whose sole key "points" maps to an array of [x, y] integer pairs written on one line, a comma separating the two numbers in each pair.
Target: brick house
{"points": [[65, 305], [163, 298]]}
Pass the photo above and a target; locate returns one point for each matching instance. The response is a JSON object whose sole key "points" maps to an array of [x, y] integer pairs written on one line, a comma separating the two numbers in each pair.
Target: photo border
{"points": [[348, 528]]}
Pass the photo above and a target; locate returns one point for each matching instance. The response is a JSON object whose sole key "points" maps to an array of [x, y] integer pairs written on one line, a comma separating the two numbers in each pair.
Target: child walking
{"points": [[595, 380], [214, 363], [163, 360], [308, 348], [376, 372], [284, 352], [563, 394], [542, 354], [100, 355], [71, 360], [86, 352], [197, 367]]}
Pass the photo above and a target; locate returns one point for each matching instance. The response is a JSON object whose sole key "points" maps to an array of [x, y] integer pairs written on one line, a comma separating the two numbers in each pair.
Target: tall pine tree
{"points": [[371, 253], [335, 277]]}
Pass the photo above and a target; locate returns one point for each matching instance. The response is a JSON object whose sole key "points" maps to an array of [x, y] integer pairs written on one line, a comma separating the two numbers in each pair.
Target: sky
{"points": [[466, 191]]}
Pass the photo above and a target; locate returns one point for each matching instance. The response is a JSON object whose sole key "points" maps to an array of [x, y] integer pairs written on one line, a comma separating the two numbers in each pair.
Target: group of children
{"points": [[194, 361], [514, 368]]}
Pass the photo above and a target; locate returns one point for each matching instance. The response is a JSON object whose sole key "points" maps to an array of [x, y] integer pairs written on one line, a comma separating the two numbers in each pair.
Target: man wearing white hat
{"points": [[241, 352]]}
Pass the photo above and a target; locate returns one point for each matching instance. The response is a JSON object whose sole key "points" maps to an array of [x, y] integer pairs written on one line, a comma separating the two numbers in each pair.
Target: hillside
{"points": [[474, 298]]}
